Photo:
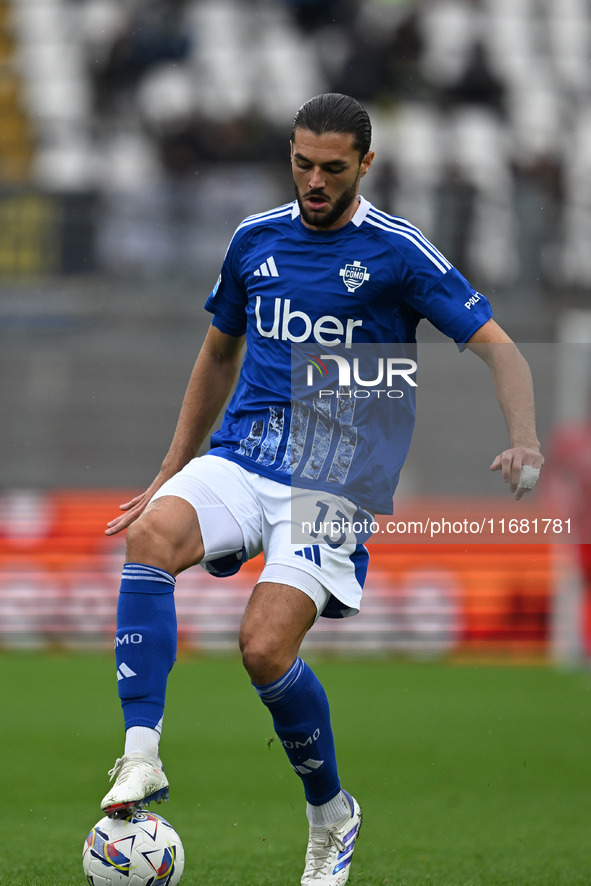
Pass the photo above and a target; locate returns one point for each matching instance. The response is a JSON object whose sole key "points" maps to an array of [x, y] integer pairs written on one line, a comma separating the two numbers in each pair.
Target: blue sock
{"points": [[301, 717], [145, 642]]}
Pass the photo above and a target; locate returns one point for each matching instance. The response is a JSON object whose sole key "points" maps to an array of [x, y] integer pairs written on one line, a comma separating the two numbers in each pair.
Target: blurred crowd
{"points": [[481, 110]]}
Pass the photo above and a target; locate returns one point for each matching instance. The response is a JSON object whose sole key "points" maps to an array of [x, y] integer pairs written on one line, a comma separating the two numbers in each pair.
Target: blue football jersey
{"points": [[329, 315]]}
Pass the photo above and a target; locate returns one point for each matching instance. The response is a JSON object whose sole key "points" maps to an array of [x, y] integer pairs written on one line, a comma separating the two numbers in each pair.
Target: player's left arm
{"points": [[520, 464]]}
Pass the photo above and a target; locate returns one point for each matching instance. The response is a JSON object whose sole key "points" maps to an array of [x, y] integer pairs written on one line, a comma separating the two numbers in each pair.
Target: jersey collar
{"points": [[362, 211], [357, 219]]}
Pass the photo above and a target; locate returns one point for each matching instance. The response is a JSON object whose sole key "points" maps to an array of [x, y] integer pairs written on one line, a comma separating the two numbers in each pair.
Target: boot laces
{"points": [[120, 769], [321, 850], [114, 772]]}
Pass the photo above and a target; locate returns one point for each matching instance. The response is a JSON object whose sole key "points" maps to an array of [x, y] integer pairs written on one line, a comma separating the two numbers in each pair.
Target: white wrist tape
{"points": [[528, 477]]}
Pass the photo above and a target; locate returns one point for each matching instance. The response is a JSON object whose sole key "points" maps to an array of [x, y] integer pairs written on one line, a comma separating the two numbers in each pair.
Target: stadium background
{"points": [[134, 137]]}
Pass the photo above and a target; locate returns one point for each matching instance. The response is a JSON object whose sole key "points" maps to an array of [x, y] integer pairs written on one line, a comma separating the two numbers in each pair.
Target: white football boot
{"points": [[330, 849], [139, 779]]}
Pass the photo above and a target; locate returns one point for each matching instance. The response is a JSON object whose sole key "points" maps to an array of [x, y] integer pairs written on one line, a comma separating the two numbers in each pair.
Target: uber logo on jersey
{"points": [[297, 326]]}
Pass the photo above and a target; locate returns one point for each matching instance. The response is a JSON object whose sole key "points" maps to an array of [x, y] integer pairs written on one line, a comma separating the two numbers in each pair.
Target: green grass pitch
{"points": [[469, 775]]}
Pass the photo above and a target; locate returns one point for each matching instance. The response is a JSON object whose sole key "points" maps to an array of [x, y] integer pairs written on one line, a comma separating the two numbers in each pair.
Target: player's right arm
{"points": [[209, 387], [515, 394]]}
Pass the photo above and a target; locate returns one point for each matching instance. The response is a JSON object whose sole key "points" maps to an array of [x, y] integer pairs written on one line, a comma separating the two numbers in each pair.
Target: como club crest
{"points": [[354, 275]]}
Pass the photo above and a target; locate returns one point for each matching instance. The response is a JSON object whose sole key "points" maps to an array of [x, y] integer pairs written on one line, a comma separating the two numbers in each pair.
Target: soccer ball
{"points": [[141, 849]]}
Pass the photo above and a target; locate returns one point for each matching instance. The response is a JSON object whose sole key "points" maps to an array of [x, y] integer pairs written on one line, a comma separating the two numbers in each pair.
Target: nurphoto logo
{"points": [[353, 381]]}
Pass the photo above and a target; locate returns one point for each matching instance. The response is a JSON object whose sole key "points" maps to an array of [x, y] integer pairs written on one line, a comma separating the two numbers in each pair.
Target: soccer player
{"points": [[331, 271]]}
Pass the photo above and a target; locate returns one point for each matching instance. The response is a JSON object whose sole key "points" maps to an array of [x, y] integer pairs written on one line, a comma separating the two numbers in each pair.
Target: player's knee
{"points": [[164, 539], [263, 657], [146, 540]]}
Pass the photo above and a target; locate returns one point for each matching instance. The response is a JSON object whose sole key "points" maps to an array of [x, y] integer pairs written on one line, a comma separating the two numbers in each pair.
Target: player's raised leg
{"points": [[165, 540], [275, 622]]}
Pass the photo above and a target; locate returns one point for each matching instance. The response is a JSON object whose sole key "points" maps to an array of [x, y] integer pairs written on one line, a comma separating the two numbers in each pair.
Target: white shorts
{"points": [[242, 513]]}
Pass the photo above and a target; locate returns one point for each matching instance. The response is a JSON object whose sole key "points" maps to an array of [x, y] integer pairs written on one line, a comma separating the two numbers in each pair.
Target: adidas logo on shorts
{"points": [[312, 553]]}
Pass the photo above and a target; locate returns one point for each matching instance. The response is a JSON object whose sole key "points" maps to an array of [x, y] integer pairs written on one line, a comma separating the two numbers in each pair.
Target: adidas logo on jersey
{"points": [[267, 269]]}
